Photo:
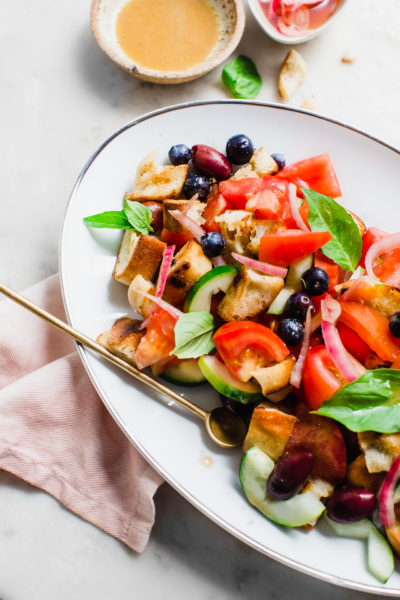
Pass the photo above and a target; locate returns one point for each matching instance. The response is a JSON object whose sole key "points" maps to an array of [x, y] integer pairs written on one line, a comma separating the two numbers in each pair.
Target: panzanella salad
{"points": [[249, 274]]}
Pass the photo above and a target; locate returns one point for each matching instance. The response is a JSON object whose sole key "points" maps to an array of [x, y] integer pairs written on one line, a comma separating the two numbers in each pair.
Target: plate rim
{"points": [[83, 353]]}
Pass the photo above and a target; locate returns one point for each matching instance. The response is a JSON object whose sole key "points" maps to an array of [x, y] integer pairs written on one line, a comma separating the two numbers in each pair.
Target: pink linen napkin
{"points": [[56, 433]]}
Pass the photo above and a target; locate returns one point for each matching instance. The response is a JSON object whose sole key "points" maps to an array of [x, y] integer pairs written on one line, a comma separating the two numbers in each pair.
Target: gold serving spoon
{"points": [[224, 427]]}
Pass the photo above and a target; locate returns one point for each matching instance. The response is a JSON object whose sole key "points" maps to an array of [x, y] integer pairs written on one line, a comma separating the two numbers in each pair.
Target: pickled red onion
{"points": [[386, 494], [189, 223], [218, 261], [172, 310], [162, 278], [294, 207], [383, 246], [297, 372], [258, 265]]}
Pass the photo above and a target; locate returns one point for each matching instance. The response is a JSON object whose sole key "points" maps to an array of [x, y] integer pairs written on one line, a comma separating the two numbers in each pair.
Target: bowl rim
{"points": [[283, 39], [171, 76], [83, 354]]}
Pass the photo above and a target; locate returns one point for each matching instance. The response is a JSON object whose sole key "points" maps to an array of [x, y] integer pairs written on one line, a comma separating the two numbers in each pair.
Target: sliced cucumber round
{"points": [[220, 378], [186, 372], [212, 282], [380, 556], [255, 468], [292, 284]]}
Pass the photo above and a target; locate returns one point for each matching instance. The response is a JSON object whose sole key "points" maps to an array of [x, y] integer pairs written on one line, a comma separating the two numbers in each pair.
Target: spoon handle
{"points": [[96, 347]]}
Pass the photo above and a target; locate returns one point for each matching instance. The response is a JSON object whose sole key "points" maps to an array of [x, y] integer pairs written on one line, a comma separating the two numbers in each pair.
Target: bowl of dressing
{"points": [[168, 41], [295, 21]]}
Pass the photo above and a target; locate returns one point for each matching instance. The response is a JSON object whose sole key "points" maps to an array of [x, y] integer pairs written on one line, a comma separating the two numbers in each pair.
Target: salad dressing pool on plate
{"points": [[167, 35]]}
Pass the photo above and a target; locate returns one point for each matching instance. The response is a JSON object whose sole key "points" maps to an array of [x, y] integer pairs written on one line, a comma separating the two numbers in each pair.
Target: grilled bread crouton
{"points": [[261, 164], [243, 172], [138, 255], [380, 449], [275, 377], [249, 294], [194, 212], [320, 488], [143, 306], [157, 183], [292, 74], [269, 430], [188, 266], [260, 227], [236, 227], [358, 475], [123, 338]]}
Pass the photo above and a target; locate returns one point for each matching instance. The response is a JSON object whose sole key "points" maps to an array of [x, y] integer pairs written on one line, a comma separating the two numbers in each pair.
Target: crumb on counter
{"points": [[309, 104], [349, 56]]}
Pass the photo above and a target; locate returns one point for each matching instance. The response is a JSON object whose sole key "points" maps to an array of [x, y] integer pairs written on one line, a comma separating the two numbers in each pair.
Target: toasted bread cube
{"points": [[249, 294], [263, 163], [245, 171], [194, 212], [123, 338], [292, 74], [143, 306], [138, 255], [380, 449], [275, 377], [269, 430], [189, 265], [260, 227], [359, 476], [236, 227], [157, 183]]}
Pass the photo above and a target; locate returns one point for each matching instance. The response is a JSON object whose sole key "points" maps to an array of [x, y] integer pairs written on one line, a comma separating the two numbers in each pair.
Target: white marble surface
{"points": [[60, 97]]}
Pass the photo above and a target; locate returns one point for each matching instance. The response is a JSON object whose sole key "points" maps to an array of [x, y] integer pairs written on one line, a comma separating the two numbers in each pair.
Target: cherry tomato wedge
{"points": [[286, 247], [238, 192], [158, 341], [245, 343], [265, 203], [371, 236], [317, 172], [387, 269], [321, 379], [372, 327], [216, 205], [172, 238], [353, 343]]}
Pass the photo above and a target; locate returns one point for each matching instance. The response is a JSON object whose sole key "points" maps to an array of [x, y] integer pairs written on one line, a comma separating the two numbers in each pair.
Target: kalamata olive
{"points": [[289, 475], [157, 210], [209, 161], [349, 504]]}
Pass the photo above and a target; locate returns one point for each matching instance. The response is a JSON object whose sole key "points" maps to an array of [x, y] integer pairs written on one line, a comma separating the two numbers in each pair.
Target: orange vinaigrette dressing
{"points": [[167, 35]]}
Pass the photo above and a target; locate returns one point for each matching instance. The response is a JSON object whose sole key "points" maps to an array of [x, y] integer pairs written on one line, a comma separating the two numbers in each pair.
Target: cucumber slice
{"points": [[212, 282], [218, 375], [186, 372], [255, 468], [380, 556], [292, 284]]}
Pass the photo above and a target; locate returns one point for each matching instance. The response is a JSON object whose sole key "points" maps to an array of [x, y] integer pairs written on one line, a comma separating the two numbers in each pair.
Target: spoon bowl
{"points": [[225, 428]]}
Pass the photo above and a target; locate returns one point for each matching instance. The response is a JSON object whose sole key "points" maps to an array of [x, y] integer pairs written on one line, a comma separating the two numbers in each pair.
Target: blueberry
{"points": [[298, 304], [213, 244], [394, 324], [291, 331], [179, 154], [239, 149], [280, 160], [197, 184], [315, 281]]}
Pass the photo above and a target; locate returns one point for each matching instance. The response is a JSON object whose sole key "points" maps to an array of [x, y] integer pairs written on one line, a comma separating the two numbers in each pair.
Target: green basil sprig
{"points": [[134, 216], [370, 403], [242, 78], [345, 247], [193, 334]]}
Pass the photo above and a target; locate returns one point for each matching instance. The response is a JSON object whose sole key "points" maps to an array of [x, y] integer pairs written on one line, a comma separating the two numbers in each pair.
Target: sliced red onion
{"points": [[172, 310], [386, 495], [258, 265], [189, 223], [289, 30], [297, 372], [383, 246], [218, 261], [359, 272], [190, 204], [294, 207], [162, 278], [330, 310]]}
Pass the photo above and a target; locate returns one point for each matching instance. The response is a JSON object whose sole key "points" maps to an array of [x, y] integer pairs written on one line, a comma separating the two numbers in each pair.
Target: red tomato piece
{"points": [[372, 327], [371, 236], [387, 268], [317, 301], [269, 201], [245, 345], [172, 238], [321, 379], [332, 269], [287, 217], [353, 343], [216, 205], [286, 247], [317, 172], [158, 341], [238, 192]]}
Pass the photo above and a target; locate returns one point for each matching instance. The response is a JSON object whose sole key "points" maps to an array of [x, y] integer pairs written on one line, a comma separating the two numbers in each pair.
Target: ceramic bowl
{"points": [[284, 39], [231, 16]]}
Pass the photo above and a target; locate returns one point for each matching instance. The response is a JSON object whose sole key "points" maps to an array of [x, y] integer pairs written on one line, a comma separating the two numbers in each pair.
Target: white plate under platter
{"points": [[176, 446]]}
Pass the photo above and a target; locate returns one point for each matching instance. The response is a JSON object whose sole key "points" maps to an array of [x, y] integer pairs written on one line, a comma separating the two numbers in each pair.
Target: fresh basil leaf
{"points": [[113, 219], [326, 214], [193, 334], [242, 78], [139, 216], [371, 403]]}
